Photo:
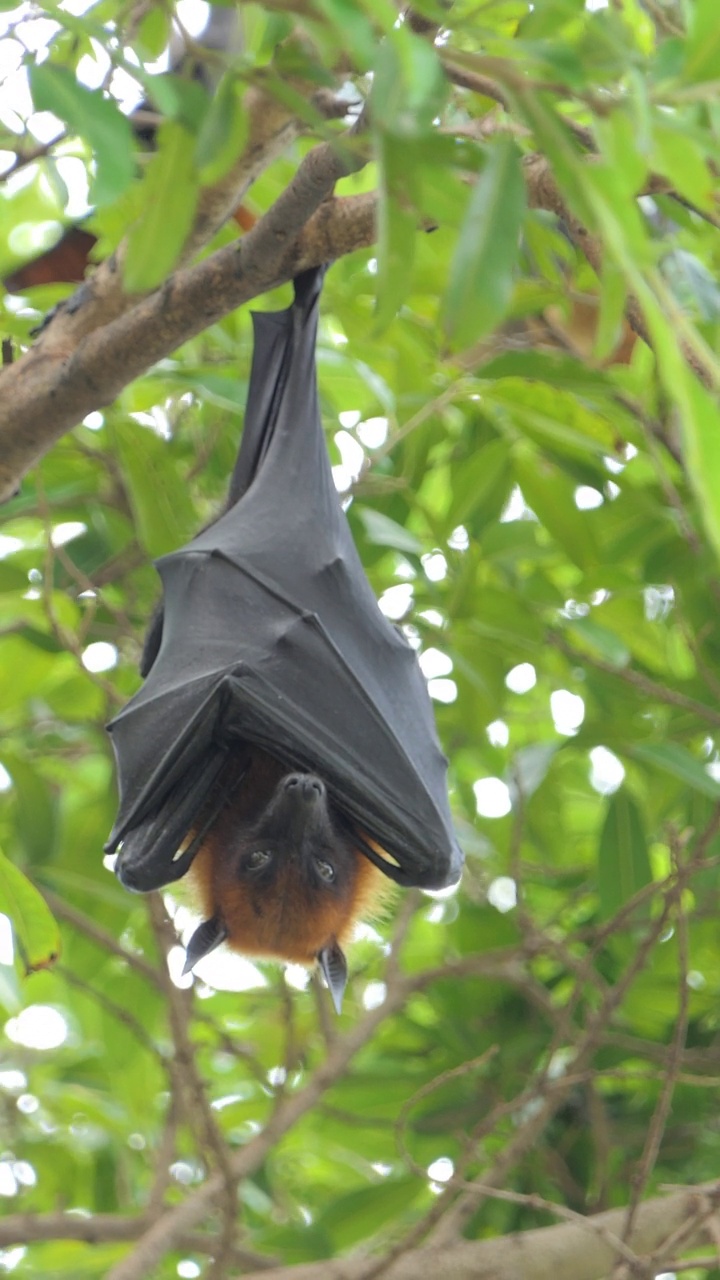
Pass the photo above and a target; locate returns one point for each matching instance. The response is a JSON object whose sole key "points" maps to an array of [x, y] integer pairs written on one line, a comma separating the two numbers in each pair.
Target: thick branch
{"points": [[46, 393], [272, 128], [563, 1252]]}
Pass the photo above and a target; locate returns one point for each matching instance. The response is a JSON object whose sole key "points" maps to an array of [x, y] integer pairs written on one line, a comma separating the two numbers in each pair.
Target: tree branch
{"points": [[165, 1233], [566, 1251], [563, 1252], [48, 391]]}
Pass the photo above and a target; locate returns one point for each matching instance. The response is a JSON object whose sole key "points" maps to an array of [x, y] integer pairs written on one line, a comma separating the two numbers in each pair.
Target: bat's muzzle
{"points": [[305, 787]]}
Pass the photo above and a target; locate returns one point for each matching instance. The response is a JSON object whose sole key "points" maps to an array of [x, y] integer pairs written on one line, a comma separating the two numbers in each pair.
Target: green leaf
{"points": [[90, 115], [409, 88], [595, 638], [702, 51], [154, 31], [613, 300], [185, 101], [224, 131], [681, 160], [36, 811], [34, 925], [552, 418], [171, 194], [482, 269], [397, 226], [12, 577], [546, 20], [477, 478], [10, 994], [25, 671], [384, 532], [617, 137], [362, 1213], [701, 433], [670, 757], [225, 390], [529, 768], [353, 28], [551, 495], [623, 857], [549, 368], [160, 501]]}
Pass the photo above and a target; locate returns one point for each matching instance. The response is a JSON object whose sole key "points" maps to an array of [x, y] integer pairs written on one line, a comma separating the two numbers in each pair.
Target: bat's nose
{"points": [[304, 786]]}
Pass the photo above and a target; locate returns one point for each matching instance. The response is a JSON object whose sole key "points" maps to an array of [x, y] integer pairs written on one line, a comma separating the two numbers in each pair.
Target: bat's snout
{"points": [[304, 786]]}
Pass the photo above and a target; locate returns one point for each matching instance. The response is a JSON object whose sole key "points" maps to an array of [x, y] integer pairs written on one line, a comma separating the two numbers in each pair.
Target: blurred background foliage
{"points": [[536, 498]]}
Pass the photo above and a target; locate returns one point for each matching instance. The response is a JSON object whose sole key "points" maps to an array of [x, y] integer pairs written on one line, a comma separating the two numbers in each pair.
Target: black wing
{"points": [[271, 635]]}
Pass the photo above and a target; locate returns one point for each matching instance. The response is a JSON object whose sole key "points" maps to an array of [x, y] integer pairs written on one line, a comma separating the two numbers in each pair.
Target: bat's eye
{"points": [[325, 870], [258, 859]]}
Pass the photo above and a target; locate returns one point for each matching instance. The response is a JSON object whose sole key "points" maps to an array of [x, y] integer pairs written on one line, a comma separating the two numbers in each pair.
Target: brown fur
{"points": [[288, 918]]}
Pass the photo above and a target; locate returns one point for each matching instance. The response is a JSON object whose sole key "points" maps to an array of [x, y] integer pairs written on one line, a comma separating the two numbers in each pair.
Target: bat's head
{"points": [[280, 875]]}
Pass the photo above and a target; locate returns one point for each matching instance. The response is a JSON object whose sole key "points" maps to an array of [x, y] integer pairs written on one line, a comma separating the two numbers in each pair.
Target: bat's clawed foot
{"points": [[334, 967], [205, 939]]}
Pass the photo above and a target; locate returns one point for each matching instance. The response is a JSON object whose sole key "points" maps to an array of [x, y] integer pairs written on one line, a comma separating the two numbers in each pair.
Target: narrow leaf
{"points": [[477, 478], [481, 274], [154, 32], [224, 131], [34, 925], [384, 532], [91, 116], [702, 51], [670, 757], [551, 495], [623, 859], [409, 88], [171, 195], [35, 811], [701, 434], [397, 226], [594, 638], [161, 503]]}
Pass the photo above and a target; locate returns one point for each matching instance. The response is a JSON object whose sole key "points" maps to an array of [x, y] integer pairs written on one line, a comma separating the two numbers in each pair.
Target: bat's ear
{"points": [[334, 966], [205, 939]]}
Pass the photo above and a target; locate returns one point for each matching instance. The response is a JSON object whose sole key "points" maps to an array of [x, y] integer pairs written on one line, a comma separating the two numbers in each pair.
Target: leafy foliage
{"points": [[537, 504]]}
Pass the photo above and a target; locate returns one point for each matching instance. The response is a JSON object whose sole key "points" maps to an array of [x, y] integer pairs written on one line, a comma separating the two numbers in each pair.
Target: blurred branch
{"points": [[656, 1129], [164, 1234], [189, 1088], [545, 1094], [101, 937], [672, 697], [123, 1016], [568, 1251]]}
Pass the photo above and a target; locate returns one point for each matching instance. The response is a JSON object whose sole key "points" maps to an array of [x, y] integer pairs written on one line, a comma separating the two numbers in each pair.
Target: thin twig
{"points": [[641, 682]]}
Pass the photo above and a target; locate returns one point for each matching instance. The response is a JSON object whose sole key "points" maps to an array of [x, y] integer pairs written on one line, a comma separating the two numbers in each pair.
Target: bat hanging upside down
{"points": [[279, 873], [281, 751]]}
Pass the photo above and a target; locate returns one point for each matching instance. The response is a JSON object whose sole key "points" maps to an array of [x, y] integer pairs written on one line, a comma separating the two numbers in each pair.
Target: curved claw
{"points": [[334, 966], [205, 939]]}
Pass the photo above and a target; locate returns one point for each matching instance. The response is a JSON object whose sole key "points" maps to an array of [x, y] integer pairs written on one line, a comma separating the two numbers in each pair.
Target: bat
{"points": [[282, 744]]}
